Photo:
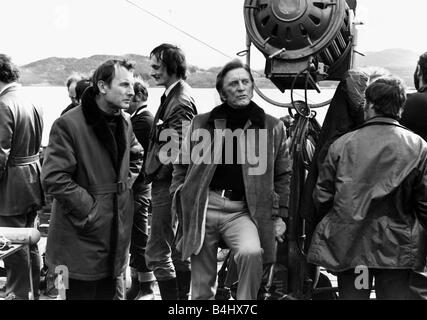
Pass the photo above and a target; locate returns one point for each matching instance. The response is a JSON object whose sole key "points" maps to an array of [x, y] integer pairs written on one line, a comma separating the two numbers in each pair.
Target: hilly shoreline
{"points": [[54, 71]]}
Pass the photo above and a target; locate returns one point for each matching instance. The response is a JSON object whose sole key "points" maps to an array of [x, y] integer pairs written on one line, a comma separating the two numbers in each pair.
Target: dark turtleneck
{"points": [[230, 176]]}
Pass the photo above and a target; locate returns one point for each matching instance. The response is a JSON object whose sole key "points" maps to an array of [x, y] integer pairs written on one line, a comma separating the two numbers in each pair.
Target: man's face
{"points": [[134, 103], [237, 89], [119, 93], [159, 73], [72, 93]]}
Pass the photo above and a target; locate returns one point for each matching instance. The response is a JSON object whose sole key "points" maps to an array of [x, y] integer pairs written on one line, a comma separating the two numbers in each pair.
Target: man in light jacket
{"points": [[236, 190], [91, 162], [372, 192], [21, 195]]}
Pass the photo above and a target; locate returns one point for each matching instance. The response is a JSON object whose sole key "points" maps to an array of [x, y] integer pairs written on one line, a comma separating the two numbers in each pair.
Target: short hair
{"points": [[141, 87], [422, 62], [106, 71], [81, 86], [234, 64], [75, 77], [173, 58], [9, 72], [388, 96]]}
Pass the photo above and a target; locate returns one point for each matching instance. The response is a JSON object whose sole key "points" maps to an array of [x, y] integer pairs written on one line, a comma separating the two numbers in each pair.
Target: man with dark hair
{"points": [[71, 84], [91, 162], [79, 89], [414, 115], [372, 194], [21, 195], [177, 109], [232, 198], [142, 277]]}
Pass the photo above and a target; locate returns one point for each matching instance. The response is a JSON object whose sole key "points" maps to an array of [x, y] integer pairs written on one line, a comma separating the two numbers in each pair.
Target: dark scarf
{"points": [[95, 118], [237, 118]]}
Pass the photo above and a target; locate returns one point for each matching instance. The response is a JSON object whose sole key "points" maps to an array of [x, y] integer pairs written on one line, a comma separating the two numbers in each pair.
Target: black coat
{"points": [[414, 116]]}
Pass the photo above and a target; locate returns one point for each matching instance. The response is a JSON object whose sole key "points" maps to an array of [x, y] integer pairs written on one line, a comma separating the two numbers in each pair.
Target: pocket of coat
{"points": [[82, 224]]}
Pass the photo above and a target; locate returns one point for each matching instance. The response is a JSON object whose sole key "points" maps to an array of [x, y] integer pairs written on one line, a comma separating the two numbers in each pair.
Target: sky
{"points": [[34, 30]]}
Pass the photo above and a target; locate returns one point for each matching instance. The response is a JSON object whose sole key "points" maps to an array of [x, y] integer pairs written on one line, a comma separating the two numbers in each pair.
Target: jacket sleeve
{"points": [[181, 164], [6, 134], [58, 169], [136, 158], [421, 195], [179, 121], [282, 173], [176, 125], [324, 192]]}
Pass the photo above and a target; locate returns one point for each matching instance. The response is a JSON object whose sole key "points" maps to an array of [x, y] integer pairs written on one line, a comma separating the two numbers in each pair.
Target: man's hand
{"points": [[279, 228]]}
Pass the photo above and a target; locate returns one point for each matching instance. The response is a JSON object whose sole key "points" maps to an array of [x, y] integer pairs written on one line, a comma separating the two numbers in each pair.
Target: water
{"points": [[55, 99]]}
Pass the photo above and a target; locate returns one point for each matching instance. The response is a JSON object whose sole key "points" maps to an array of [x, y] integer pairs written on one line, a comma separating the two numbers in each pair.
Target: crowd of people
{"points": [[213, 180]]}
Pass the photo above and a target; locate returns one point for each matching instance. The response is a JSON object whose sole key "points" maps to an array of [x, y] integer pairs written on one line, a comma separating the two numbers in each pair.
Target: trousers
{"points": [[231, 222], [16, 265], [142, 199], [161, 255]]}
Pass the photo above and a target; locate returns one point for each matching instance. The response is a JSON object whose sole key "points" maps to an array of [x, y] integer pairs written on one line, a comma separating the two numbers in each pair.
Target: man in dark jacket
{"points": [[91, 162], [177, 109], [142, 277], [71, 84], [372, 193], [414, 115], [21, 128]]}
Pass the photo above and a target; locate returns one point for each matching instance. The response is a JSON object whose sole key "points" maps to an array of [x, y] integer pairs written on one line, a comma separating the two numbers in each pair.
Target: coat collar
{"points": [[9, 87], [95, 118], [256, 115]]}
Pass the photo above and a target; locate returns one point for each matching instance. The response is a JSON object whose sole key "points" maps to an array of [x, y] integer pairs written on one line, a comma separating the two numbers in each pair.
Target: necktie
{"points": [[162, 99]]}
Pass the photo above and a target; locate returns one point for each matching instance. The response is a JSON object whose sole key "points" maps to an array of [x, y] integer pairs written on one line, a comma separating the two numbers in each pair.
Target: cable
{"points": [[179, 29]]}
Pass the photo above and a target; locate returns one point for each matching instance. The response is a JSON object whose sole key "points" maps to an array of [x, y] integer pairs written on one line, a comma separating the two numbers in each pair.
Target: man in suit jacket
{"points": [[168, 69], [142, 277], [21, 128]]}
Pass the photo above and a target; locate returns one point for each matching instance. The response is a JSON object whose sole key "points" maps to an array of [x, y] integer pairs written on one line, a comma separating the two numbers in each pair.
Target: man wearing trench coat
{"points": [[90, 165]]}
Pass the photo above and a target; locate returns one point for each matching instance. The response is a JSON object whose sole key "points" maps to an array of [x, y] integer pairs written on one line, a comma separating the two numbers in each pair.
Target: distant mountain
{"points": [[54, 71], [400, 62]]}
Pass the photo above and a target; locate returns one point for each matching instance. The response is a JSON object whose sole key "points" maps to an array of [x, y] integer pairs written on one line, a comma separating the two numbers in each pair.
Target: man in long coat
{"points": [[90, 165], [21, 195]]}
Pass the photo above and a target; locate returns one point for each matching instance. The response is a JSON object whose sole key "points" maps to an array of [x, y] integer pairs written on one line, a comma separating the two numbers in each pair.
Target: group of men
{"points": [[219, 177]]}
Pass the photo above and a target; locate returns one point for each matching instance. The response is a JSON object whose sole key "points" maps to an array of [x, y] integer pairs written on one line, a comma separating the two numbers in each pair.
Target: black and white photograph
{"points": [[243, 153]]}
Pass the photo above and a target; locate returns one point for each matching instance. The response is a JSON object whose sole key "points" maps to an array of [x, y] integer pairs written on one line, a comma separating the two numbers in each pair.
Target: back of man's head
{"points": [[73, 78], [8, 71], [422, 62], [106, 72], [173, 58], [388, 96], [140, 88], [81, 86]]}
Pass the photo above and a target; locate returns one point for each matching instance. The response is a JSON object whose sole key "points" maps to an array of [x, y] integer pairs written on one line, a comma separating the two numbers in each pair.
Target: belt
{"points": [[230, 194], [23, 161], [100, 189]]}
